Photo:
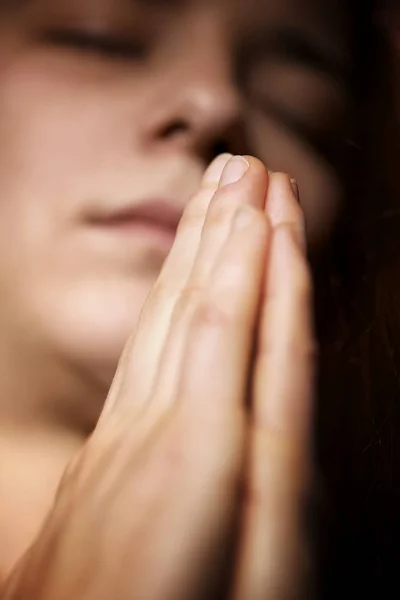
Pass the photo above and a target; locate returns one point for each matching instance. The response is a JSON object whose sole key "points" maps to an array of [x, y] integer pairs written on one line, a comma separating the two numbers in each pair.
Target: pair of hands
{"points": [[194, 482]]}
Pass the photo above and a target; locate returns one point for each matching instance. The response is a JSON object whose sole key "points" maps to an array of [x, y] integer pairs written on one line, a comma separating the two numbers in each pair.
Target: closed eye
{"points": [[112, 47], [294, 47]]}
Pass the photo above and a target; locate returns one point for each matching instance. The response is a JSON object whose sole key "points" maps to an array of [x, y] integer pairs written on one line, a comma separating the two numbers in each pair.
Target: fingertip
{"points": [[257, 166], [295, 188], [258, 176], [214, 171], [235, 169], [262, 175], [282, 205], [287, 183]]}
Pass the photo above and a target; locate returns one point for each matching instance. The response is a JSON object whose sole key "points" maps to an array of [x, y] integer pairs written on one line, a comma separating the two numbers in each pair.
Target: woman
{"points": [[109, 113]]}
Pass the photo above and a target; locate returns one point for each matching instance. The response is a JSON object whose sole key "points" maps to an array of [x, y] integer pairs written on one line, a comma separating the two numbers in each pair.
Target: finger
{"points": [[273, 548], [249, 191], [142, 351], [283, 204], [187, 243], [218, 345], [286, 326], [208, 418], [229, 197]]}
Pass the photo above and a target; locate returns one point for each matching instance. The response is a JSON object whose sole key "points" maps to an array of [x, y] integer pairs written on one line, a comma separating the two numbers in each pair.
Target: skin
{"points": [[86, 128], [147, 471]]}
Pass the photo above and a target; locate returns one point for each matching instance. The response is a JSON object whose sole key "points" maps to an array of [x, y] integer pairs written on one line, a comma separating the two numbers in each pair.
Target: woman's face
{"points": [[106, 105]]}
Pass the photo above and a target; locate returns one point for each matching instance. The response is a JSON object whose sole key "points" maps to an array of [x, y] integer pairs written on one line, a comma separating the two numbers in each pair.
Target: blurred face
{"points": [[110, 111]]}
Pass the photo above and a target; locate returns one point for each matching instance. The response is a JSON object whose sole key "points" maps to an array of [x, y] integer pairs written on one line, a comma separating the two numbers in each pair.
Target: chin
{"points": [[89, 329], [96, 353]]}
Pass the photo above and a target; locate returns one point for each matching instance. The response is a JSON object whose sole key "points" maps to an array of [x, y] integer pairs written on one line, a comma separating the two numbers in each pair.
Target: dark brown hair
{"points": [[358, 320]]}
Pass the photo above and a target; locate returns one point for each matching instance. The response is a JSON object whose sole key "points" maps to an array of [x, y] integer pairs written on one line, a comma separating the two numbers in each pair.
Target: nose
{"points": [[198, 107]]}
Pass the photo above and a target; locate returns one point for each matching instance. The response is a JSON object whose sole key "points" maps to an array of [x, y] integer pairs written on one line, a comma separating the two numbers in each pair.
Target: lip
{"points": [[156, 217]]}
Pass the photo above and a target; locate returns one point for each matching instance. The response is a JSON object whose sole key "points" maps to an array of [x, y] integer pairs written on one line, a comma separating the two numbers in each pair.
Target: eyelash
{"points": [[108, 46]]}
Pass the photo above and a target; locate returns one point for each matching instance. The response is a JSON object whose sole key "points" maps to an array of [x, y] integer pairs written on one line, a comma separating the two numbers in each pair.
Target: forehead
{"points": [[248, 12], [324, 22]]}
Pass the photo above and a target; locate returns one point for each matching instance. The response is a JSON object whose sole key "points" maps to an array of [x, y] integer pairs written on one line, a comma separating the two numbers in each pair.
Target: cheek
{"points": [[60, 129], [320, 188], [57, 134]]}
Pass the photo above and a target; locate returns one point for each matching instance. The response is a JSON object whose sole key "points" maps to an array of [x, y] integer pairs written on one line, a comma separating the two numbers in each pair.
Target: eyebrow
{"points": [[292, 43]]}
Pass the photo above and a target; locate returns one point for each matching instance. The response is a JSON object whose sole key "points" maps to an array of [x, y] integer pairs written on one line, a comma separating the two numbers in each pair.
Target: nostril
{"points": [[221, 147], [214, 150], [174, 129]]}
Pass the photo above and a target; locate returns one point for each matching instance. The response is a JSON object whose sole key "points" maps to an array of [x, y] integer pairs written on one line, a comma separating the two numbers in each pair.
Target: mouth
{"points": [[155, 220]]}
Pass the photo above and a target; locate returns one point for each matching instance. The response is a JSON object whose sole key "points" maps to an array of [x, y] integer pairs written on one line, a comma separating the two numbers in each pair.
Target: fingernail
{"points": [[295, 188], [214, 171], [234, 171]]}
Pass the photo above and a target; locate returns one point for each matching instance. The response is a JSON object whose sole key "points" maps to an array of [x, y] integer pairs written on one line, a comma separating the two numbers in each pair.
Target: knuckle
{"points": [[299, 349], [187, 301], [221, 210], [208, 315], [192, 218], [160, 301], [304, 352], [160, 294], [196, 209]]}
